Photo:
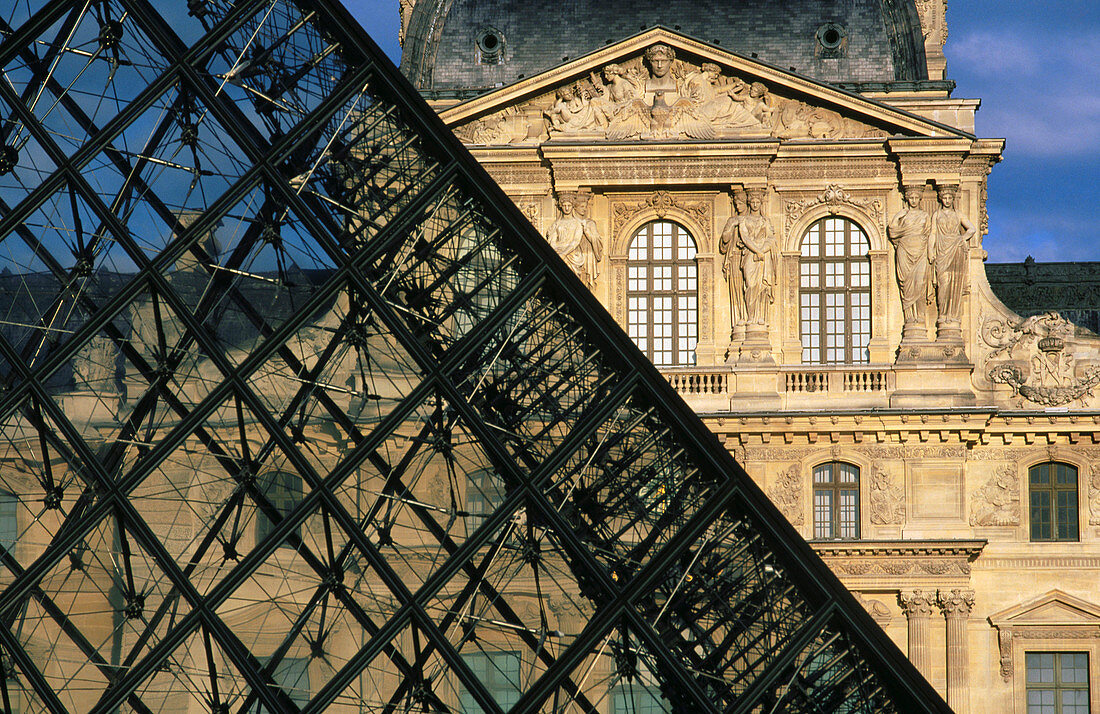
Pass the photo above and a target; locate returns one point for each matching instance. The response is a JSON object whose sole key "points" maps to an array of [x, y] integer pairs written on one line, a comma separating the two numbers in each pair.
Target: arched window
{"points": [[284, 490], [835, 293], [662, 294], [836, 500], [1052, 495]]}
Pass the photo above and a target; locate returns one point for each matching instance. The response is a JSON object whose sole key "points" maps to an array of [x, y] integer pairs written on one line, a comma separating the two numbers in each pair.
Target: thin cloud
{"points": [[1039, 87], [987, 54]]}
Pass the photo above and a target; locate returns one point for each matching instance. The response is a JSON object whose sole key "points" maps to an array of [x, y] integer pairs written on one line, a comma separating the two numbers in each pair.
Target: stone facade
{"points": [[953, 397]]}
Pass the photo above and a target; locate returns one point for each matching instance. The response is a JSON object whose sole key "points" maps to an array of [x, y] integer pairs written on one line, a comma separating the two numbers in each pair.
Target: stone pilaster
{"points": [[918, 606], [956, 606]]}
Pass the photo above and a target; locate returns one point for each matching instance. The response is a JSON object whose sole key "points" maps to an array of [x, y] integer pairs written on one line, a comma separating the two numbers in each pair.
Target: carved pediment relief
{"points": [[1055, 616], [1055, 607], [661, 86]]}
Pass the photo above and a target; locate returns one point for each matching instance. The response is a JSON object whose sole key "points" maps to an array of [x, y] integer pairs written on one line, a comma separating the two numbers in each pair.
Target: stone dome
{"points": [[463, 47]]}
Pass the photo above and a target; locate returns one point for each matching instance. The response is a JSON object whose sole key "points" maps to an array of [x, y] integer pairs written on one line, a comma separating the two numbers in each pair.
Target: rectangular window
{"points": [[498, 672], [1057, 682], [9, 529]]}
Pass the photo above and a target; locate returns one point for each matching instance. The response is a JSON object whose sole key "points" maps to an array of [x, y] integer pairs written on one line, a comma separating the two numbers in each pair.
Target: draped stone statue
{"points": [[759, 260], [730, 247], [951, 235], [576, 238], [910, 232]]}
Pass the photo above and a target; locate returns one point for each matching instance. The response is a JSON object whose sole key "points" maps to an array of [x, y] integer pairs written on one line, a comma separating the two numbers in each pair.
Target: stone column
{"points": [[917, 606], [956, 606]]}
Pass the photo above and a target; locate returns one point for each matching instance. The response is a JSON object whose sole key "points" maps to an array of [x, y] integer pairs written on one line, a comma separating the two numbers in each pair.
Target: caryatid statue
{"points": [[759, 260], [951, 235], [729, 245], [910, 231], [575, 237]]}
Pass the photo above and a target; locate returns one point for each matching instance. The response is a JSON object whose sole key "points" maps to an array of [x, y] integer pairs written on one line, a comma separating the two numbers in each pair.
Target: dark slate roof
{"points": [[1032, 288], [883, 37]]}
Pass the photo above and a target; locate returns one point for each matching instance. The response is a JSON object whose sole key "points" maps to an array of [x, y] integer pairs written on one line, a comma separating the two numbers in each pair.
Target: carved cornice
{"points": [[840, 168], [916, 559], [518, 173], [648, 171]]}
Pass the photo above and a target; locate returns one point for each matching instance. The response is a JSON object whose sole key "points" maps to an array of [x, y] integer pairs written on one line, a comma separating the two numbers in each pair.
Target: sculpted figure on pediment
{"points": [[658, 96], [576, 238], [730, 247], [951, 235], [759, 259], [726, 102], [910, 232], [575, 111]]}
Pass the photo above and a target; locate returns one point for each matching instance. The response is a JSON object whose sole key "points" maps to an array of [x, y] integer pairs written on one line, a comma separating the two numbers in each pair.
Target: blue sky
{"points": [[1034, 66]]}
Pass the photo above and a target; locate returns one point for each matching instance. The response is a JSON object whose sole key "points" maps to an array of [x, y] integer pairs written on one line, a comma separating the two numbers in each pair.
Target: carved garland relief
{"points": [[887, 498], [997, 503], [1094, 493], [1030, 356], [655, 96], [786, 494]]}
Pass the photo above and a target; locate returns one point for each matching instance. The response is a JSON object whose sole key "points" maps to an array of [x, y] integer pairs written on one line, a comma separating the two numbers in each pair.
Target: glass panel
{"points": [[498, 672]]}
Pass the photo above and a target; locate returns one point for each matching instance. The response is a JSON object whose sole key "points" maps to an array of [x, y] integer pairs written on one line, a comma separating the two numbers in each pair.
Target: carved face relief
{"points": [[660, 65]]}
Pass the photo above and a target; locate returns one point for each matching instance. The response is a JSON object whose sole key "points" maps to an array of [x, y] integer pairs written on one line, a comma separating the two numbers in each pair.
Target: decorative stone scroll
{"points": [[997, 503], [655, 96], [833, 196], [786, 494], [662, 203]]}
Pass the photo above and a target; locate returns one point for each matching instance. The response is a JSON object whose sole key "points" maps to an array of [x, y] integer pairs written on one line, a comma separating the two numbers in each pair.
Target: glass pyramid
{"points": [[297, 412]]}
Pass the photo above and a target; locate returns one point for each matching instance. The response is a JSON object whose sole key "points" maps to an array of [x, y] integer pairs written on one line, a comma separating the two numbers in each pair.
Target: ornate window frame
{"points": [[869, 215], [623, 230], [836, 506], [1054, 622], [674, 263], [1054, 489], [1085, 492], [850, 287], [805, 494]]}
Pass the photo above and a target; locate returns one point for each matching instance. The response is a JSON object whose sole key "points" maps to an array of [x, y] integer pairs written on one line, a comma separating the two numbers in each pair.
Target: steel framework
{"points": [[298, 412]]}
